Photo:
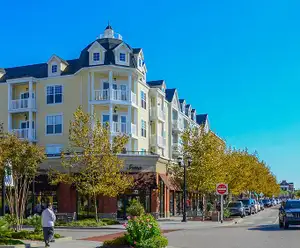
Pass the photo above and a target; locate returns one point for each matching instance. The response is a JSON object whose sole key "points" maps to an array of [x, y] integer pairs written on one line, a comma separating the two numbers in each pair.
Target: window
{"points": [[54, 94], [53, 150], [54, 124], [143, 100], [105, 120], [96, 56], [143, 151], [143, 129], [54, 68], [123, 57], [140, 63]]}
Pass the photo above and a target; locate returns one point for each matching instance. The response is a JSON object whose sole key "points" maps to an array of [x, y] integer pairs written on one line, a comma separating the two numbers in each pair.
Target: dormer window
{"points": [[123, 57], [140, 63], [96, 57], [54, 68]]}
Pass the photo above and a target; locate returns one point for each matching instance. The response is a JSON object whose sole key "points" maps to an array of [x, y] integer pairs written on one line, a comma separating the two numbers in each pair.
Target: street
{"points": [[257, 231]]}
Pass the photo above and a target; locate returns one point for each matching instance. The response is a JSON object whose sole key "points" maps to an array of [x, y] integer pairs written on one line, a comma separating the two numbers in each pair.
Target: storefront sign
{"points": [[135, 167]]}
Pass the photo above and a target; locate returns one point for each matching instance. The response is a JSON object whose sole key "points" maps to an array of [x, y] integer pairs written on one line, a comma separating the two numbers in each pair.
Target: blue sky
{"points": [[236, 60]]}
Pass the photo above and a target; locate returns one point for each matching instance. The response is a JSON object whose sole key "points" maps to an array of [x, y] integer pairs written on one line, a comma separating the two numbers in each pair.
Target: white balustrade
{"points": [[119, 127], [24, 133], [21, 104], [133, 98], [101, 95], [117, 95], [133, 129]]}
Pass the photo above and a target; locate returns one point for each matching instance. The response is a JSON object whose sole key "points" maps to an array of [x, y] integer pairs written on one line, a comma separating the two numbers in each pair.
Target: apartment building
{"points": [[108, 79]]}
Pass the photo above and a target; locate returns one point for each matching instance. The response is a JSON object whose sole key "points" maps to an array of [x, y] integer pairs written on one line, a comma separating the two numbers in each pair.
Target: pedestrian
{"points": [[48, 219]]}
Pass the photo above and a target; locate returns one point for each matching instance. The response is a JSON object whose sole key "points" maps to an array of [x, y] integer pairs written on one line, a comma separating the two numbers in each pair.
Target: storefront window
{"points": [[86, 206], [161, 199], [172, 203]]}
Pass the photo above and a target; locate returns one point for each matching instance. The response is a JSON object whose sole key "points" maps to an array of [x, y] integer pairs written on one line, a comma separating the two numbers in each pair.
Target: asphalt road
{"points": [[257, 231]]}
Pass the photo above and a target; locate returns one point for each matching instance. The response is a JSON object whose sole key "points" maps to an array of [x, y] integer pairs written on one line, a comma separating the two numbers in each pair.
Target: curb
{"points": [[88, 228], [30, 243]]}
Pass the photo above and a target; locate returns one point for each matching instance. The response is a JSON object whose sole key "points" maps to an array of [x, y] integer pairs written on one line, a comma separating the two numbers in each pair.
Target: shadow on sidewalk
{"points": [[272, 228]]}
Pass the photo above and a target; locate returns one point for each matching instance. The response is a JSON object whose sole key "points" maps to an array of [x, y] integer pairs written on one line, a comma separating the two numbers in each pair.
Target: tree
{"points": [[19, 159], [91, 163]]}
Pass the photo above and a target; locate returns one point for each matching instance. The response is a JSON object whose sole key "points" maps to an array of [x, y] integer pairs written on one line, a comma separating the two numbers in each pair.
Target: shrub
{"points": [[7, 241], [110, 221], [226, 213], [82, 223], [4, 227], [115, 242], [141, 228], [155, 242], [135, 208], [36, 222]]}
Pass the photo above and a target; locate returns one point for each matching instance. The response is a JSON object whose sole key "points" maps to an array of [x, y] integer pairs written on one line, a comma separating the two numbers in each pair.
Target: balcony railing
{"points": [[158, 113], [158, 140], [176, 148], [115, 95], [133, 98], [133, 129], [24, 133], [119, 127], [22, 104], [177, 125]]}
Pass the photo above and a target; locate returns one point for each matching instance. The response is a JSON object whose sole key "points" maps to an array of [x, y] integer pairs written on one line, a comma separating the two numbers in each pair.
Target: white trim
{"points": [[21, 80], [54, 103], [120, 45], [62, 123], [57, 58]]}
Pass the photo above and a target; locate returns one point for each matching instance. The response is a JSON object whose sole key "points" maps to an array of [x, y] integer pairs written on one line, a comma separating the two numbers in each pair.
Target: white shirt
{"points": [[48, 218]]}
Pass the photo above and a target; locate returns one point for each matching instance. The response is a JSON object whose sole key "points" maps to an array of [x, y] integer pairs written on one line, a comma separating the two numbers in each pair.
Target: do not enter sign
{"points": [[222, 189]]}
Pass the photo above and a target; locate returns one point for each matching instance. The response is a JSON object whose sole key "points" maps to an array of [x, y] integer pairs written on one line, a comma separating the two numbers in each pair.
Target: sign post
{"points": [[222, 189]]}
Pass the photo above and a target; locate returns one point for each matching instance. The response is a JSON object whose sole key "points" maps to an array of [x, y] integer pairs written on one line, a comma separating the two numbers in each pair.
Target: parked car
{"points": [[256, 205], [249, 207], [262, 205], [236, 208], [267, 203], [289, 214]]}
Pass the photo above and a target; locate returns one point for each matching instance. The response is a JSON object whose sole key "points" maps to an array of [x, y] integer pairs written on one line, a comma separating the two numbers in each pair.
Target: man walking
{"points": [[48, 219]]}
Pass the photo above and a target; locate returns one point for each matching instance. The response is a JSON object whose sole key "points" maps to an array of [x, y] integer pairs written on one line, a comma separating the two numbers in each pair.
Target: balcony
{"points": [[24, 133], [158, 113], [114, 95], [134, 130], [122, 128], [177, 126], [176, 148], [22, 105], [158, 141]]}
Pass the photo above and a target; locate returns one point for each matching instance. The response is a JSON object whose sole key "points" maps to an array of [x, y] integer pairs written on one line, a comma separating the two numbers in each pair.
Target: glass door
{"points": [[123, 92], [116, 128], [123, 123]]}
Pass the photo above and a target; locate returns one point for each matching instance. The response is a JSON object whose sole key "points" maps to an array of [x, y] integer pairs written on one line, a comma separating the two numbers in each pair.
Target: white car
{"points": [[257, 206]]}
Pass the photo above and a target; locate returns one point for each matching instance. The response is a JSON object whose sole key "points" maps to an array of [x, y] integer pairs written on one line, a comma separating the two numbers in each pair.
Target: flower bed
{"points": [[141, 232], [27, 235], [87, 223]]}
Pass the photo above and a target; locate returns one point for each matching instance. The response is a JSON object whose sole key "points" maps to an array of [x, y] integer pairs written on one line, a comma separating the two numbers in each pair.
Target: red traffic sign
{"points": [[222, 189]]}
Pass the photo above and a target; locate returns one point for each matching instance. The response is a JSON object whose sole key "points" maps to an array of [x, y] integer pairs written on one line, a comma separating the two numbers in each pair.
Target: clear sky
{"points": [[236, 60]]}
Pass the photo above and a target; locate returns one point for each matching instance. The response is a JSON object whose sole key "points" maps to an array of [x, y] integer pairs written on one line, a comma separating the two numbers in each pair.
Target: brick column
{"points": [[107, 207], [155, 203], [66, 198]]}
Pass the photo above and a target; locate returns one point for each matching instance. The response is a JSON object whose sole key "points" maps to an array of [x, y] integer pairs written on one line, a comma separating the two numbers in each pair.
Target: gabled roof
{"points": [[188, 106], [136, 50], [38, 70], [155, 83], [193, 110], [201, 119], [284, 183], [59, 58], [181, 100], [170, 94]]}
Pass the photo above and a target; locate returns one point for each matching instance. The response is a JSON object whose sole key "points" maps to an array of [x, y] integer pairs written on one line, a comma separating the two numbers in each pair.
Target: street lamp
{"points": [[182, 163]]}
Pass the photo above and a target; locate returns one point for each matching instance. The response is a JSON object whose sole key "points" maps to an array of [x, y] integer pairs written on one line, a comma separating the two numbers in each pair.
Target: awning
{"points": [[169, 182], [143, 181]]}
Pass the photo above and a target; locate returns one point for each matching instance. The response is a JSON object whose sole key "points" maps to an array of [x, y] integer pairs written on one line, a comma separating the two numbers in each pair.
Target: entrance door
{"points": [[123, 123], [105, 90], [123, 92], [116, 128]]}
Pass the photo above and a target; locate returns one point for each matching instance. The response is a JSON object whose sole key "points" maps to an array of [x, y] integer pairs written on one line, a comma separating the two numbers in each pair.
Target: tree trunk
{"points": [[96, 207], [204, 207]]}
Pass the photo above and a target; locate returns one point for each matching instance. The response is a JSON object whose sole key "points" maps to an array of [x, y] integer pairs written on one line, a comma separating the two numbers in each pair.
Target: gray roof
{"points": [[41, 70], [193, 110], [136, 50], [170, 94], [181, 100], [155, 83], [201, 119]]}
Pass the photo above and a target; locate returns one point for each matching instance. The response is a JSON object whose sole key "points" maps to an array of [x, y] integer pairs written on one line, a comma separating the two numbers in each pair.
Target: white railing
{"points": [[119, 127], [133, 129], [120, 95], [161, 141], [133, 98], [20, 104], [101, 95], [24, 133], [177, 147], [178, 125], [104, 95], [161, 114]]}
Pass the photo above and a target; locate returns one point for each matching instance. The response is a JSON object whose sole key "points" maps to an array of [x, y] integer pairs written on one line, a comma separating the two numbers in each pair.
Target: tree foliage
{"points": [[213, 162], [21, 160], [91, 163]]}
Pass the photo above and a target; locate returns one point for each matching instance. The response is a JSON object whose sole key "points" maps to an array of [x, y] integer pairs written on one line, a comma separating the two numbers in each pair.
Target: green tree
{"points": [[21, 160], [91, 163]]}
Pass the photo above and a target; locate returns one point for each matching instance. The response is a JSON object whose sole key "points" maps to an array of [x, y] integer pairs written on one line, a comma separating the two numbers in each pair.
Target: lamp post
{"points": [[182, 163]]}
